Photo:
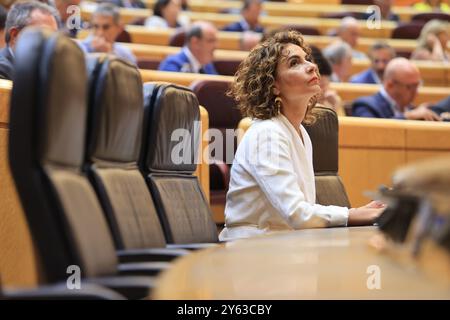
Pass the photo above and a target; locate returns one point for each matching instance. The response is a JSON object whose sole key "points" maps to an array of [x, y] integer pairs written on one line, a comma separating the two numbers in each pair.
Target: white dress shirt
{"points": [[272, 184], [194, 65], [394, 106]]}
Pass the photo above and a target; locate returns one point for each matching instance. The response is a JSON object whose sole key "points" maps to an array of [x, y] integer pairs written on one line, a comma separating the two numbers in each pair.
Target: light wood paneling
{"points": [[18, 266], [347, 91]]}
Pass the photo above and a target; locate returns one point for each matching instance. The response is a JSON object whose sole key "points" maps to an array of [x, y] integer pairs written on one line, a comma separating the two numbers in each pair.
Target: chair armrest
{"points": [[132, 287], [220, 175], [150, 255], [192, 246], [61, 292], [142, 268]]}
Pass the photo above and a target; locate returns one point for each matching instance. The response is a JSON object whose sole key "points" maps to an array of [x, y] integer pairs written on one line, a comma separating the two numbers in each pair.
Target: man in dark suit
{"points": [[250, 12], [3, 15], [198, 52], [380, 53], [400, 84], [443, 108], [21, 15]]}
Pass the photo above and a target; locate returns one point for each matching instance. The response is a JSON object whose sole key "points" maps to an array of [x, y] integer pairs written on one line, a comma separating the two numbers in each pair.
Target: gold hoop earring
{"points": [[278, 103]]}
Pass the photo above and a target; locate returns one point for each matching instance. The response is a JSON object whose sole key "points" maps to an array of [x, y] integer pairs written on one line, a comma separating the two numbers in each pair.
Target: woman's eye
{"points": [[293, 63]]}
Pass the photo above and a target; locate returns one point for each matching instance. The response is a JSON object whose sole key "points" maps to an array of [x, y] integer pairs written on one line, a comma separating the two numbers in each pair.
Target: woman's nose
{"points": [[311, 68]]}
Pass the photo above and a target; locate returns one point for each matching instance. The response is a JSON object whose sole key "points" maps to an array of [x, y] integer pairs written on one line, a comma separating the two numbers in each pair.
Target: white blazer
{"points": [[272, 184]]}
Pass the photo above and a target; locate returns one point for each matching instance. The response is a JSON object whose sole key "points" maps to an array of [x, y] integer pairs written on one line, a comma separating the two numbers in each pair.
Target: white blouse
{"points": [[272, 184]]}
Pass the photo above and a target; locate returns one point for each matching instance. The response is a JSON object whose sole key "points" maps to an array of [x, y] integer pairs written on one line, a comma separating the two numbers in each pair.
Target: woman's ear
{"points": [[275, 91]]}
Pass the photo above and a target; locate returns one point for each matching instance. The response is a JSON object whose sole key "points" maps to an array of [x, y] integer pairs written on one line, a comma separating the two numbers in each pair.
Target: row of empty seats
{"points": [[92, 198]]}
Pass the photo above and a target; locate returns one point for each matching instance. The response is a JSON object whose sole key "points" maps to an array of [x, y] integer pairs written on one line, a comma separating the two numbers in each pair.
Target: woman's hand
{"points": [[432, 40], [365, 215]]}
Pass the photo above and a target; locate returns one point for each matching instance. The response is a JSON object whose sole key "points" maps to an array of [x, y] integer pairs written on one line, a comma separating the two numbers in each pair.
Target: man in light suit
{"points": [[250, 12], [380, 54], [394, 100], [21, 15], [198, 52], [105, 28]]}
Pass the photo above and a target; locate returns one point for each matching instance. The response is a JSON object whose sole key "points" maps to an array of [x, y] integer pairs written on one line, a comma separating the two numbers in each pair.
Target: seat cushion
{"points": [[330, 191], [183, 209], [85, 223], [131, 214]]}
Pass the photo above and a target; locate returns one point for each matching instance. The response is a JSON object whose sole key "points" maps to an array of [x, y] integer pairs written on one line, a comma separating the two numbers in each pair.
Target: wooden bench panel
{"points": [[18, 266], [347, 91]]}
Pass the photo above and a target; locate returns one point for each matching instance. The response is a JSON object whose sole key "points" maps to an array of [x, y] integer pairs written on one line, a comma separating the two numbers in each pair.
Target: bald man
{"points": [[400, 85], [198, 52]]}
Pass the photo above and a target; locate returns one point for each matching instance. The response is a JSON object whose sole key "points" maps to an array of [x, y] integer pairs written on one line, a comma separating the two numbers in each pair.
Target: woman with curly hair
{"points": [[272, 178]]}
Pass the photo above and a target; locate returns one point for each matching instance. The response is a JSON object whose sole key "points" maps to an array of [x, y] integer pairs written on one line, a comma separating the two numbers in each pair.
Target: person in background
{"points": [[272, 184], [165, 15], [105, 23], [328, 97], [21, 15], [185, 5], [136, 4], [3, 15], [250, 12], [432, 5], [385, 7], [432, 42], [394, 100], [348, 32], [198, 52], [339, 55], [63, 7], [380, 53]]}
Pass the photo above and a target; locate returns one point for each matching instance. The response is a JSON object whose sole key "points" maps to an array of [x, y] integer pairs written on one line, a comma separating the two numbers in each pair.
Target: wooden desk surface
{"points": [[312, 8], [232, 40], [433, 73], [220, 20], [306, 264], [346, 91]]}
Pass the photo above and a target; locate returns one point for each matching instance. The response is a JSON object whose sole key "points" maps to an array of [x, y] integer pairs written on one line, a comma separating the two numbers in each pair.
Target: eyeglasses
{"points": [[381, 60], [105, 27], [409, 86]]}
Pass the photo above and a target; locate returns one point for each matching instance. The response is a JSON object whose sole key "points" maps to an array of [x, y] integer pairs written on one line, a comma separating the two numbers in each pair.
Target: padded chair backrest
{"points": [[124, 36], [341, 15], [46, 149], [410, 30], [168, 158], [148, 63], [113, 146], [178, 38], [403, 53], [226, 67], [365, 2], [324, 137], [222, 110], [427, 16]]}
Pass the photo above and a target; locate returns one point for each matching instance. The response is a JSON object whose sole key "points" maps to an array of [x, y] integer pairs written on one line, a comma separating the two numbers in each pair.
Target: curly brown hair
{"points": [[255, 79]]}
